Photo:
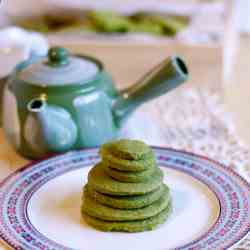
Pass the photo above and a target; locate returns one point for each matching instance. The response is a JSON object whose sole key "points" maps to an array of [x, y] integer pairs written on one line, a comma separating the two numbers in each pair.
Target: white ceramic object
{"points": [[40, 206], [17, 45]]}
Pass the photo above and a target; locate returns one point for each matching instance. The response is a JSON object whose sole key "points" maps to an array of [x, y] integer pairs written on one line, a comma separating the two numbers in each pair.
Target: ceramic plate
{"points": [[40, 206]]}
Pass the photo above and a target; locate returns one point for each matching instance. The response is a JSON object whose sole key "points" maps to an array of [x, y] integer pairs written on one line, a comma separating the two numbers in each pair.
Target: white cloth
{"points": [[197, 122], [17, 45]]}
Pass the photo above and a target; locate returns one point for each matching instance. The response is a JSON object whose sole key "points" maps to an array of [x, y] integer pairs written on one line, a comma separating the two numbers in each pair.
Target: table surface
{"points": [[236, 96]]}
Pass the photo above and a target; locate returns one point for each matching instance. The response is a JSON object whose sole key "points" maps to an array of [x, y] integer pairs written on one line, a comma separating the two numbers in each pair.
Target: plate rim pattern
{"points": [[163, 160]]}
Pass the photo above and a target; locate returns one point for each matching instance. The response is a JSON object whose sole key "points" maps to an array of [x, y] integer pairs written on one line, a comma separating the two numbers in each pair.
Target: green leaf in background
{"points": [[168, 25], [107, 22], [146, 26]]}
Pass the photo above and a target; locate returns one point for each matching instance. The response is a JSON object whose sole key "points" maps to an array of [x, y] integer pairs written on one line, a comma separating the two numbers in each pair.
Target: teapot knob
{"points": [[58, 56]]}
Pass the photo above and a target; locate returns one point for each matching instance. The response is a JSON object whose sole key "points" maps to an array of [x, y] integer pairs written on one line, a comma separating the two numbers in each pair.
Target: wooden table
{"points": [[236, 92]]}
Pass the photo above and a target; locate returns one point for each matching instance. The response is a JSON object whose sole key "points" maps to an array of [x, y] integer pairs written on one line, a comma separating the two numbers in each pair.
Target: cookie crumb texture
{"points": [[125, 191]]}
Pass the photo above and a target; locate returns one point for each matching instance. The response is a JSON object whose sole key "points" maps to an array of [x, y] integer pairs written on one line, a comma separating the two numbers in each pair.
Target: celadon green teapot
{"points": [[61, 102]]}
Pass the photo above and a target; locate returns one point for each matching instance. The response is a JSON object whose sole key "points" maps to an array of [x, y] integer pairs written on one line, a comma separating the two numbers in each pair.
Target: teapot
{"points": [[61, 102]]}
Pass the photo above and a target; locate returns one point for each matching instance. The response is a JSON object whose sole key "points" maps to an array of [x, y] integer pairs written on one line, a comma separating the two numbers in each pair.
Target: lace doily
{"points": [[197, 122]]}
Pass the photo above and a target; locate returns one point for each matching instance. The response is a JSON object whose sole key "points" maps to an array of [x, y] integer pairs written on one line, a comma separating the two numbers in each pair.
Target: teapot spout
{"points": [[166, 76], [48, 128]]}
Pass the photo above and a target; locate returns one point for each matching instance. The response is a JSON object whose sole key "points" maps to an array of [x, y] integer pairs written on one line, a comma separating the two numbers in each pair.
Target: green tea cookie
{"points": [[128, 202], [129, 176], [129, 226], [127, 149], [97, 210], [128, 165], [100, 181]]}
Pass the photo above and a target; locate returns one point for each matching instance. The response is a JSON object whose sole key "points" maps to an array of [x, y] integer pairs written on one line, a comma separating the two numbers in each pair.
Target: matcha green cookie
{"points": [[100, 181], [128, 202], [128, 165], [125, 191], [129, 176], [129, 226], [97, 210], [127, 149]]}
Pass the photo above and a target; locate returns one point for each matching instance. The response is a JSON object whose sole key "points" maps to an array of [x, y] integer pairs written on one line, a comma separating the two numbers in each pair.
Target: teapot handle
{"points": [[166, 76]]}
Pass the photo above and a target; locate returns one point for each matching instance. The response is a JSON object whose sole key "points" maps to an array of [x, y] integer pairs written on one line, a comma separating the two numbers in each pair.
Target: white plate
{"points": [[41, 206]]}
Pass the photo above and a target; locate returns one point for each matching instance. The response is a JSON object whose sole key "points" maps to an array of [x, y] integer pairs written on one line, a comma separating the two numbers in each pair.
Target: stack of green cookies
{"points": [[125, 191]]}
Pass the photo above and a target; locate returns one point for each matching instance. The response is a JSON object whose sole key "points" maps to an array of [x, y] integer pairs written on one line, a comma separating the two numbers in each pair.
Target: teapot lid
{"points": [[59, 68]]}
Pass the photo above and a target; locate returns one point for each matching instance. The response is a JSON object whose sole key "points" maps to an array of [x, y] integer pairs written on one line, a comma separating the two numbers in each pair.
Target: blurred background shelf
{"points": [[208, 43]]}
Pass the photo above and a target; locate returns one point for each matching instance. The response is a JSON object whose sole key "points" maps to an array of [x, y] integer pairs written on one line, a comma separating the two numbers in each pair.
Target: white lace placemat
{"points": [[197, 123]]}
